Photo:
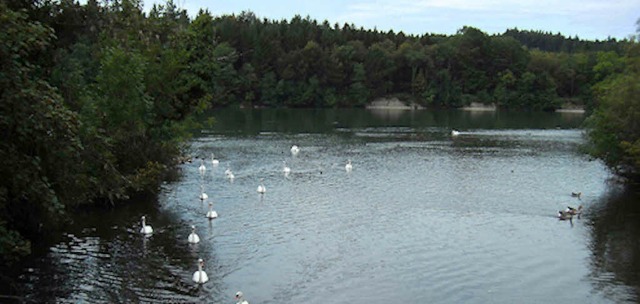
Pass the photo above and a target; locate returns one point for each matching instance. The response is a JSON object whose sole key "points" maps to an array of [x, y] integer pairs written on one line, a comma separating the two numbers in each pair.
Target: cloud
{"points": [[381, 8], [593, 18]]}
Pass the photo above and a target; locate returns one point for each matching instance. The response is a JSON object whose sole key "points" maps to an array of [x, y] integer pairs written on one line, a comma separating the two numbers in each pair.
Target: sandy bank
{"points": [[476, 106], [579, 111], [392, 103]]}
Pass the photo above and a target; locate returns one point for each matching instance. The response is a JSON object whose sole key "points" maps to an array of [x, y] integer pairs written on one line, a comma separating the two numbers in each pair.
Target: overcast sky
{"points": [[588, 19]]}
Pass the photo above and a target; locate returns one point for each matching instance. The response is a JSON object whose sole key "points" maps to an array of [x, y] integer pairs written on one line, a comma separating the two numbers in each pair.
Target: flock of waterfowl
{"points": [[570, 212], [566, 214], [200, 276]]}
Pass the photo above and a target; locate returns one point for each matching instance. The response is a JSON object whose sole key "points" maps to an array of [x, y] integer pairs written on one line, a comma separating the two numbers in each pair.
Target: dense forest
{"points": [[96, 98]]}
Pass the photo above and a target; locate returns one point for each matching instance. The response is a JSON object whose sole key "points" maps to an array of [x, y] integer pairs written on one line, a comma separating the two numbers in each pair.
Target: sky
{"points": [[587, 19]]}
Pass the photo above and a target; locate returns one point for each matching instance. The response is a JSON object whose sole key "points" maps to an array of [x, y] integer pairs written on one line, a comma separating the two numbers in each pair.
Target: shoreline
{"points": [[395, 104]]}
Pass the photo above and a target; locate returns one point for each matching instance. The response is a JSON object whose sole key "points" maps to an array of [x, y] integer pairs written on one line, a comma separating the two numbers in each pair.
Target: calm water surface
{"points": [[423, 217]]}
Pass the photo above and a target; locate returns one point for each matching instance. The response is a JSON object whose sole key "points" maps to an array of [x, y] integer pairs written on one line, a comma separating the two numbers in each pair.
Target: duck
{"points": [[348, 167], [146, 229], [214, 161], [211, 214], [564, 215], [261, 188], [193, 237], [200, 276], [455, 132], [202, 169], [240, 298], [286, 169], [576, 194], [295, 149]]}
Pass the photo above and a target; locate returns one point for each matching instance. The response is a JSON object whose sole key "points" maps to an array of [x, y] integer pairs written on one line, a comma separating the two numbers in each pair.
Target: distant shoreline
{"points": [[395, 104]]}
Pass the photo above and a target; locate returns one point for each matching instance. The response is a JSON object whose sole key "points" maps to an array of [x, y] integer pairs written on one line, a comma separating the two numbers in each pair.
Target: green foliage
{"points": [[614, 127], [39, 153], [127, 92], [121, 103]]}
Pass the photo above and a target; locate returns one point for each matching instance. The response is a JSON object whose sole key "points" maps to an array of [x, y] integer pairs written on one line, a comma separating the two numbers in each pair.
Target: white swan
{"points": [[455, 132], [214, 161], [202, 169], [146, 229], [193, 237], [261, 188], [240, 298], [200, 276], [211, 214], [348, 167], [286, 169], [229, 174], [295, 149], [203, 196]]}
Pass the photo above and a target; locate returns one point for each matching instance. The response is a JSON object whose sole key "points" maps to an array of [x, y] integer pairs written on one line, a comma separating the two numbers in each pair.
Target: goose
{"points": [[184, 159], [214, 161], [240, 298], [261, 188], [200, 276], [286, 169], [348, 167], [455, 132], [193, 237], [211, 214], [146, 229], [295, 149], [574, 211], [202, 169], [576, 194]]}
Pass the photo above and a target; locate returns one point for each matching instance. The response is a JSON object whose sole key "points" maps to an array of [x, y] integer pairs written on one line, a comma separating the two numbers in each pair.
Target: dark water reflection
{"points": [[615, 244], [328, 120], [423, 217]]}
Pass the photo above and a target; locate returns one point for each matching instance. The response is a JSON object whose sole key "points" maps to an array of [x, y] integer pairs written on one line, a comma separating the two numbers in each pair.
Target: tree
{"points": [[39, 153], [379, 67], [614, 127]]}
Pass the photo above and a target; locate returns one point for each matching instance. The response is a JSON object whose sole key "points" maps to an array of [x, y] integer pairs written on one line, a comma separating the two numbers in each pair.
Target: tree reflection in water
{"points": [[615, 243]]}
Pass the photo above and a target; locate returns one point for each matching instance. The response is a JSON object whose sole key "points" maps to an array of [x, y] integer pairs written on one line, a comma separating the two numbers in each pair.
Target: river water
{"points": [[423, 217]]}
